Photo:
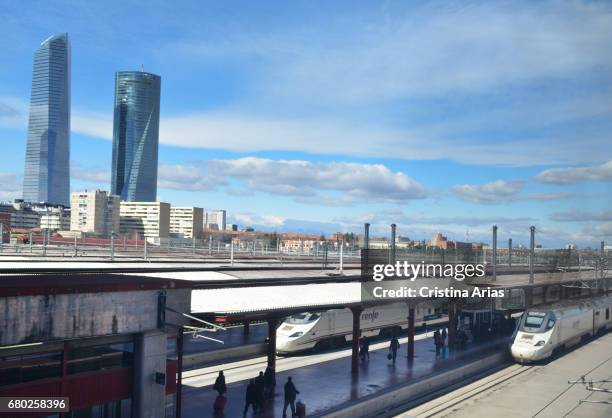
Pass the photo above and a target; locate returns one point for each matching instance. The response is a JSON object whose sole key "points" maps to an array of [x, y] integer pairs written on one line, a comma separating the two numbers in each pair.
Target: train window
{"points": [[534, 321], [303, 318], [551, 323]]}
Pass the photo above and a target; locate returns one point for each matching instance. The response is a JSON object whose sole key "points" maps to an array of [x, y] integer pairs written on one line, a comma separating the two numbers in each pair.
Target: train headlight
{"points": [[540, 343], [296, 334]]}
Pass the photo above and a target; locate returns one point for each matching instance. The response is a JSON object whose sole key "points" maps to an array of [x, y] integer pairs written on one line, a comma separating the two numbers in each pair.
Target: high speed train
{"points": [[333, 328], [545, 330]]}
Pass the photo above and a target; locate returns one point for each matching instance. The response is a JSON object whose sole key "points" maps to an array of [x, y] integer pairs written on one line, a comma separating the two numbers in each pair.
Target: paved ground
{"points": [[541, 391], [324, 380]]}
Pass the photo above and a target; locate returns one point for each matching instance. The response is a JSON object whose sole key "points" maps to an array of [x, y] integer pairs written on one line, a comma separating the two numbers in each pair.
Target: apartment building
{"points": [[95, 212], [186, 221], [148, 219], [215, 219]]}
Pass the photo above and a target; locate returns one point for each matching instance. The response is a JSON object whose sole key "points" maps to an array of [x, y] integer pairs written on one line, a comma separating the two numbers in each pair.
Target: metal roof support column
{"points": [[494, 261], [531, 252], [272, 325], [452, 324], [356, 310], [410, 333]]}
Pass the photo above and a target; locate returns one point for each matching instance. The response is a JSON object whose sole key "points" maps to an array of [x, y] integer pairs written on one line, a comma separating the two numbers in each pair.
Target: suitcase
{"points": [[300, 409]]}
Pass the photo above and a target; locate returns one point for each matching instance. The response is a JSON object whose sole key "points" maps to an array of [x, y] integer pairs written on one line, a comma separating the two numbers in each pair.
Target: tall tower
{"points": [[135, 136], [47, 163]]}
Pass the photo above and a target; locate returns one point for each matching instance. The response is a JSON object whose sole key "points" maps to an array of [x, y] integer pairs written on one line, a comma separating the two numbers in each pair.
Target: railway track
{"points": [[445, 403]]}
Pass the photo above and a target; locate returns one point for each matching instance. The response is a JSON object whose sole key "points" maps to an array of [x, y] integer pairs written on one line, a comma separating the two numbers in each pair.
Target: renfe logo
{"points": [[369, 316]]}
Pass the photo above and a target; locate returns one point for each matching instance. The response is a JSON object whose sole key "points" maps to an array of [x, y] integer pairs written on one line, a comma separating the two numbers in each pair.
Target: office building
{"points": [[186, 221], [135, 136], [215, 219], [145, 219], [55, 218], [22, 215], [47, 162], [95, 212]]}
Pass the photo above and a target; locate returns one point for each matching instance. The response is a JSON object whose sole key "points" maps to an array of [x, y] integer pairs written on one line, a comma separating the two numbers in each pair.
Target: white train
{"points": [[333, 328], [545, 330]]}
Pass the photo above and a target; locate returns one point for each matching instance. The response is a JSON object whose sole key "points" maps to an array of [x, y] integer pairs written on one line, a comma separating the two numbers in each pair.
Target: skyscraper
{"points": [[47, 164], [135, 136]]}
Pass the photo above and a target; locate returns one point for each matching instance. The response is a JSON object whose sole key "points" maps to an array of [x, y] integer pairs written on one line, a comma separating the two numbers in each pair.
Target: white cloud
{"points": [[301, 179], [581, 216], [602, 172], [10, 187], [250, 219], [495, 192]]}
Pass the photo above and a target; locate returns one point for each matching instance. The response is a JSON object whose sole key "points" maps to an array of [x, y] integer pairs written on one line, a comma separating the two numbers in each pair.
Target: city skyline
{"points": [[47, 157], [319, 120]]}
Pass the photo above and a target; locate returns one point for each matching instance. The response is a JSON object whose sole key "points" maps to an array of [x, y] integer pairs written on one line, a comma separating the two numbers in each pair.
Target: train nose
{"points": [[522, 353]]}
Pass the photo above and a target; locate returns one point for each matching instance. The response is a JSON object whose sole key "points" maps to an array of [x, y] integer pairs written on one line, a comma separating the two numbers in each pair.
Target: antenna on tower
{"points": [[142, 68], [467, 235]]}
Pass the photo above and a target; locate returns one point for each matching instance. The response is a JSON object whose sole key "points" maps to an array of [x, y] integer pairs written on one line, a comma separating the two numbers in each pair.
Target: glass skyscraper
{"points": [[47, 164], [135, 136]]}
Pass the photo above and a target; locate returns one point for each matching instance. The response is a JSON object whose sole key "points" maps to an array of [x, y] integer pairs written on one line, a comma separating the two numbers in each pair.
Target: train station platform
{"points": [[328, 384], [556, 396]]}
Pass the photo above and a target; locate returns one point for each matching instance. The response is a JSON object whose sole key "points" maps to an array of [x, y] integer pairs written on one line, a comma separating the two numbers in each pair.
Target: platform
{"points": [[328, 384], [540, 390]]}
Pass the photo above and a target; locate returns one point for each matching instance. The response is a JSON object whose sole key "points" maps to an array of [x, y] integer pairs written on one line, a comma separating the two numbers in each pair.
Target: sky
{"points": [[317, 116]]}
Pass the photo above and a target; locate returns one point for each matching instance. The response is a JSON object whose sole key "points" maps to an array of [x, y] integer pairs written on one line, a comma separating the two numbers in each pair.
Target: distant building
{"points": [[95, 212], [22, 215], [439, 240], [215, 219], [47, 162], [5, 221], [298, 242], [186, 221], [148, 219], [231, 227], [135, 136], [55, 218]]}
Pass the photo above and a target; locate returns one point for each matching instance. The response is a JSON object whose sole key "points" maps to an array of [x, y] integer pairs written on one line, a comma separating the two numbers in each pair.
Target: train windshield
{"points": [[534, 321], [303, 318]]}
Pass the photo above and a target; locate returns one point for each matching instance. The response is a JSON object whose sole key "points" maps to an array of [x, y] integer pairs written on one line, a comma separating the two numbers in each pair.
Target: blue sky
{"points": [[319, 116]]}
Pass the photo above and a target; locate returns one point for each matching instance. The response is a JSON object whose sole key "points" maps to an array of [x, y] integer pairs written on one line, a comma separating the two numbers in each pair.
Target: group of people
{"points": [[257, 392], [440, 341]]}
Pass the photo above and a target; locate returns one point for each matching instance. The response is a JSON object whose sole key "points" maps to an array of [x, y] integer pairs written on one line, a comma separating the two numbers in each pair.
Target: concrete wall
{"points": [[26, 319]]}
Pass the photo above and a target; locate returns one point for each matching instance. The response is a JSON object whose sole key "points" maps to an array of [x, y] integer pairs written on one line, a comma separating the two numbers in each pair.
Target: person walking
{"points": [[437, 342], [393, 347], [260, 386], [366, 348], [443, 338], [251, 398], [269, 382], [290, 395], [220, 385]]}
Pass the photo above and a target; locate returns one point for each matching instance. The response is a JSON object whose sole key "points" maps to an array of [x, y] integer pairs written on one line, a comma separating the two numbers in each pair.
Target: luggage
{"points": [[219, 404], [300, 409], [389, 356]]}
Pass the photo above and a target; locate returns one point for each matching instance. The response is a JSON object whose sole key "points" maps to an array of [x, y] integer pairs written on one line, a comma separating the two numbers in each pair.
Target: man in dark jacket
{"points": [[220, 385], [270, 382], [290, 395], [260, 386], [251, 397], [393, 347]]}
